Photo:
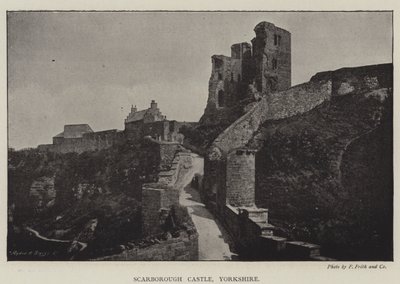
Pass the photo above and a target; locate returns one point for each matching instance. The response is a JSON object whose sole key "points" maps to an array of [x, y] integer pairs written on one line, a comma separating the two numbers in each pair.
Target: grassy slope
{"points": [[326, 176]]}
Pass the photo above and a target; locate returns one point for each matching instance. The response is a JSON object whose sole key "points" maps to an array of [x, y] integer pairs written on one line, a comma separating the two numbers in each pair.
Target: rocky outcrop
{"points": [[42, 193]]}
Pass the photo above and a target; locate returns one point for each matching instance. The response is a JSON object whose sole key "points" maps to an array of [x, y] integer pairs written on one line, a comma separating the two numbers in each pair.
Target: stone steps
{"points": [[280, 246], [273, 243], [258, 213], [302, 250], [274, 247], [266, 229]]}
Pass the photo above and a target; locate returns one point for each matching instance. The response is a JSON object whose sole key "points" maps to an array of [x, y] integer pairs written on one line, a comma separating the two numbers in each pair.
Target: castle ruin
{"points": [[252, 71], [247, 92]]}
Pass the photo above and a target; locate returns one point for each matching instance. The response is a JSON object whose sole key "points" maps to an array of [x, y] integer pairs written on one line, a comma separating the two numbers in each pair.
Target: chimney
{"points": [[153, 104]]}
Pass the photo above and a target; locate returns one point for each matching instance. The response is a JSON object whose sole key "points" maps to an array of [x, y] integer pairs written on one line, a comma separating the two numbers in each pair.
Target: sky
{"points": [[82, 67]]}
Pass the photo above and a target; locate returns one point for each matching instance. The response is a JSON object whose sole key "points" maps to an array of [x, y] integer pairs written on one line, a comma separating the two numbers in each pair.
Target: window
{"points": [[277, 39], [274, 64], [221, 98], [231, 76], [219, 76], [239, 78]]}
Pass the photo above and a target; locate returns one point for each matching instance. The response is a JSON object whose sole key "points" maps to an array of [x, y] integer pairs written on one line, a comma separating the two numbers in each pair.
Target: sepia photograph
{"points": [[200, 136]]}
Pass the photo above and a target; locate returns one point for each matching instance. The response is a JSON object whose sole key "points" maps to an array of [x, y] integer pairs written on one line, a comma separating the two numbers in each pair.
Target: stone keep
{"points": [[240, 178], [252, 70], [272, 58]]}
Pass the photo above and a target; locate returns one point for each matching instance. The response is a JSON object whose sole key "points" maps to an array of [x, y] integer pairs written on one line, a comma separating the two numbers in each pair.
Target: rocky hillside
{"points": [[91, 198], [327, 175], [324, 161]]}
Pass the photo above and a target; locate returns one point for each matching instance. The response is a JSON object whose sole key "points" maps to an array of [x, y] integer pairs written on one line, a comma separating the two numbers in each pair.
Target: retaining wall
{"points": [[185, 247]]}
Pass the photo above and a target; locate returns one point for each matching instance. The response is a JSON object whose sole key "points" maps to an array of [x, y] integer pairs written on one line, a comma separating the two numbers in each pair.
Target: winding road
{"points": [[213, 240]]}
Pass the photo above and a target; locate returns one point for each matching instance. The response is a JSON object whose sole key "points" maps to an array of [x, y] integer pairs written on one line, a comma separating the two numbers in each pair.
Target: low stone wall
{"points": [[184, 247], [170, 175]]}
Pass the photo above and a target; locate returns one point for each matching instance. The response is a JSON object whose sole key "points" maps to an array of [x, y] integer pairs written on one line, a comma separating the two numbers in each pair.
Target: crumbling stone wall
{"points": [[228, 85], [218, 90], [252, 71], [358, 80]]}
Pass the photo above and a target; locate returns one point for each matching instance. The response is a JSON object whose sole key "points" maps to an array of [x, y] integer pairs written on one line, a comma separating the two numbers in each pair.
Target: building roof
{"points": [[150, 114], [74, 131], [136, 116]]}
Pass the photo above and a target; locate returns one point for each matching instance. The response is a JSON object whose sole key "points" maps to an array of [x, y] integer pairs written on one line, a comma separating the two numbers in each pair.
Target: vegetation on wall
{"points": [[97, 193], [326, 176]]}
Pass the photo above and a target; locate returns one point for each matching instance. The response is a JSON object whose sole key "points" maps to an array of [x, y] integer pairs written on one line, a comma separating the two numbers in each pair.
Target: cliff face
{"points": [[327, 175]]}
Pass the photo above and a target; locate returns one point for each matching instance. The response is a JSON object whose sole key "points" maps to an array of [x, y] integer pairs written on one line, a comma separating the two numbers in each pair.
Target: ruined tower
{"points": [[250, 72], [272, 58]]}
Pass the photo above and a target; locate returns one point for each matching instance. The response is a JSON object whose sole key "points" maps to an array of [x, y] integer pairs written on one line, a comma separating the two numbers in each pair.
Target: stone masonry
{"points": [[240, 178], [158, 198], [272, 58], [252, 71]]}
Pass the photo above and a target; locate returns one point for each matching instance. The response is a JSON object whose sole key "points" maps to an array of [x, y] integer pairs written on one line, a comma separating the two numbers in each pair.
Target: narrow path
{"points": [[213, 244]]}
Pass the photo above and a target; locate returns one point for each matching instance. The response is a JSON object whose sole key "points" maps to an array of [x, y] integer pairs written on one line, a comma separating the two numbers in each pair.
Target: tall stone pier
{"points": [[240, 178]]}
